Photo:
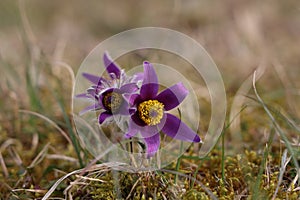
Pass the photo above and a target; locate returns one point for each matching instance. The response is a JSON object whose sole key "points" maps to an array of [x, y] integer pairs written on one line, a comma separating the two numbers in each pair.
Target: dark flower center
{"points": [[112, 101], [151, 112]]}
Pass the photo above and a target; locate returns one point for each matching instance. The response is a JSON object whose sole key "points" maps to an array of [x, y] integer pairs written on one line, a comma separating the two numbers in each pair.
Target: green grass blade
{"points": [[256, 194], [35, 102], [72, 134], [278, 128]]}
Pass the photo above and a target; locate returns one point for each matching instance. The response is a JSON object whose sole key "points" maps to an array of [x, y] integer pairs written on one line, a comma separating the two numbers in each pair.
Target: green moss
{"points": [[145, 185], [195, 195]]}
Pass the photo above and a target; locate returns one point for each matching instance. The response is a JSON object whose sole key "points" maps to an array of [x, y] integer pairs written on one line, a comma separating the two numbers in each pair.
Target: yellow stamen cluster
{"points": [[112, 101], [151, 112]]}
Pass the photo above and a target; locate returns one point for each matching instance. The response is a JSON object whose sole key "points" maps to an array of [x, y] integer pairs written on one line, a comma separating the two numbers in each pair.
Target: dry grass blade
{"points": [[79, 171], [212, 196], [61, 157], [49, 121], [4, 147], [284, 162], [294, 182], [15, 156], [31, 190], [8, 143], [3, 166], [89, 179], [35, 142], [39, 157], [133, 187], [72, 75], [69, 69], [93, 162], [237, 104]]}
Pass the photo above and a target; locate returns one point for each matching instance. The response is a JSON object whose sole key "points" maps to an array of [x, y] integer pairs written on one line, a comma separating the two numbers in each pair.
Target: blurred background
{"points": [[239, 35], [240, 31]]}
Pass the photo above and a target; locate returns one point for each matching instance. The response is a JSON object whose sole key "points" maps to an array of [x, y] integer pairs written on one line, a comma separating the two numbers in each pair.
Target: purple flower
{"points": [[149, 117], [109, 95]]}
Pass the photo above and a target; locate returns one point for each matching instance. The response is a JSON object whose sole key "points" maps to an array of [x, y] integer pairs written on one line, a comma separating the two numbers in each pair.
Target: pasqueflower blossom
{"points": [[149, 113], [108, 95]]}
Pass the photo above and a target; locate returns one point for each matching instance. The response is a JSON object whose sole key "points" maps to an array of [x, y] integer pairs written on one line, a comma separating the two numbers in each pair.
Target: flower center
{"points": [[112, 101], [151, 112]]}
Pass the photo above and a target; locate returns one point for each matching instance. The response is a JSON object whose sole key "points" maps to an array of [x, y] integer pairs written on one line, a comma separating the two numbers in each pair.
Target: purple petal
{"points": [[152, 144], [90, 108], [149, 131], [137, 77], [103, 116], [172, 96], [132, 130], [83, 95], [92, 78], [92, 92], [149, 91], [127, 96], [176, 129], [111, 67], [129, 88], [150, 85], [149, 73], [134, 99]]}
